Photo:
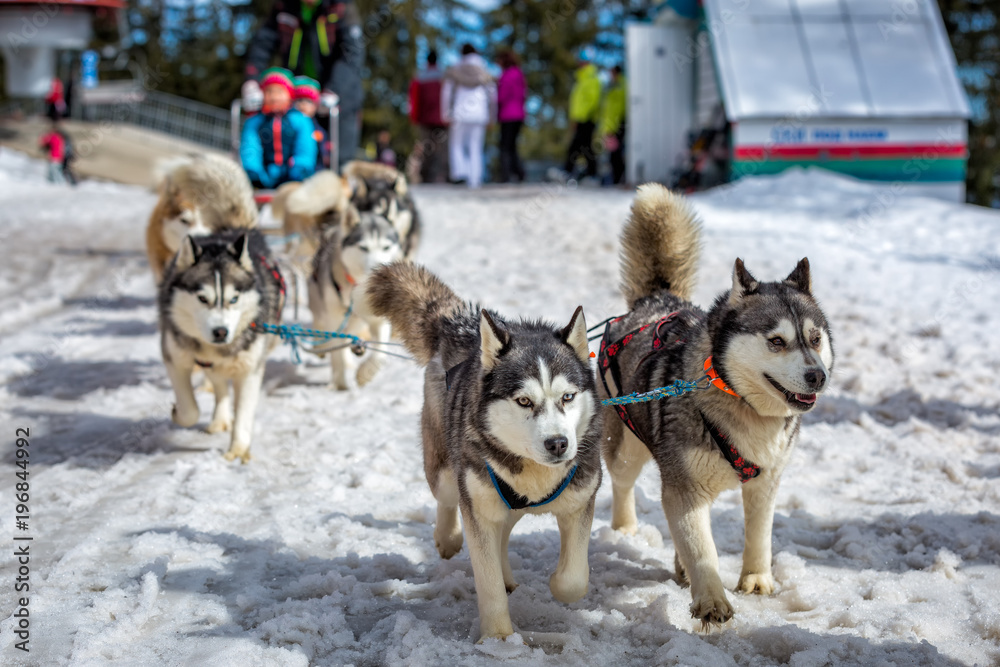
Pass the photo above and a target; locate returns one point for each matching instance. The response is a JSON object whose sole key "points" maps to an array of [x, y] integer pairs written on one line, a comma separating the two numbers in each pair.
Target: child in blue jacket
{"points": [[277, 144]]}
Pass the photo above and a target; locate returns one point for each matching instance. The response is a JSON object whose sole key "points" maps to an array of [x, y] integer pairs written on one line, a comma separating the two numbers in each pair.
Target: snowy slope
{"points": [[150, 549]]}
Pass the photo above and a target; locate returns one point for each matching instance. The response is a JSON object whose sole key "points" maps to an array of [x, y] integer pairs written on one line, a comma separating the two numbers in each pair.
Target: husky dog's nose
{"points": [[815, 378], [219, 334], [556, 446]]}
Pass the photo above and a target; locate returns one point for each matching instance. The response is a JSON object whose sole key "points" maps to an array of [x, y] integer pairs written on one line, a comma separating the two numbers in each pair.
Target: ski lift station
{"points": [[867, 88], [33, 31]]}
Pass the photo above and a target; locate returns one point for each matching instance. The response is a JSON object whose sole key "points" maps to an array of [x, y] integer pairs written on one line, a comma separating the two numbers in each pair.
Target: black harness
{"points": [[607, 360]]}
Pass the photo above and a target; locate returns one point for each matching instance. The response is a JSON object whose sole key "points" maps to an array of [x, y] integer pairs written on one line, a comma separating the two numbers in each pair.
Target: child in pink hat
{"points": [[306, 98]]}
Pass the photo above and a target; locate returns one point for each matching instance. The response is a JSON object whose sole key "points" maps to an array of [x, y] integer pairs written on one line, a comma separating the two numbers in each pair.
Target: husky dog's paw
{"points": [[448, 545], [568, 587], [511, 586], [367, 370], [219, 424], [625, 527], [711, 609], [186, 418], [232, 454], [761, 584]]}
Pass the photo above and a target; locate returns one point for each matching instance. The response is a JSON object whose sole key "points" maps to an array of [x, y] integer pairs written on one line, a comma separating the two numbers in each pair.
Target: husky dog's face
{"points": [[775, 345], [185, 220], [371, 242], [214, 296], [383, 197], [538, 388]]}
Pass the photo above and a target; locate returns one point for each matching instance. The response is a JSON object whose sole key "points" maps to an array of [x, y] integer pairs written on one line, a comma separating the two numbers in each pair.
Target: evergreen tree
{"points": [[974, 29]]}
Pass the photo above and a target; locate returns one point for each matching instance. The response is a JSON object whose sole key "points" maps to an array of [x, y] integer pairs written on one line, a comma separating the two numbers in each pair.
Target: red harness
{"points": [[607, 361]]}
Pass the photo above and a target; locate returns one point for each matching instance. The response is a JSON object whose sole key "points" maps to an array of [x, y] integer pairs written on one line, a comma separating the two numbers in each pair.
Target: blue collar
{"points": [[515, 501]]}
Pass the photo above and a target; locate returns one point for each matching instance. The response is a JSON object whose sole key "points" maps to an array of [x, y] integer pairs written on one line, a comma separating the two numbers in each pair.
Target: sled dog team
{"points": [[513, 420]]}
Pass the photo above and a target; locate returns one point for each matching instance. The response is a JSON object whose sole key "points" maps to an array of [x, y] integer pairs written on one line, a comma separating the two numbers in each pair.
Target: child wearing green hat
{"points": [[306, 95], [277, 144]]}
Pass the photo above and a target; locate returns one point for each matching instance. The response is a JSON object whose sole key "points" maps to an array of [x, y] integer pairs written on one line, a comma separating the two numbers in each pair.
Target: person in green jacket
{"points": [[612, 124], [584, 107]]}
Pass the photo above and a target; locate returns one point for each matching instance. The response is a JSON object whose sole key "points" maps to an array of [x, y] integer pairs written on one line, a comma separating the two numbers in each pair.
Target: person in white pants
{"points": [[468, 105]]}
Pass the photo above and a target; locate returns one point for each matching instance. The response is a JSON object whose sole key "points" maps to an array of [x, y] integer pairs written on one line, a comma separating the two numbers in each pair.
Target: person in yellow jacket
{"points": [[584, 107], [612, 123]]}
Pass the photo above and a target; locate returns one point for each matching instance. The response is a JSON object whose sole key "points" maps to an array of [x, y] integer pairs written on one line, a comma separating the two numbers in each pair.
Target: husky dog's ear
{"points": [[399, 185], [575, 335], [800, 278], [240, 249], [358, 187], [187, 255], [743, 282], [494, 338]]}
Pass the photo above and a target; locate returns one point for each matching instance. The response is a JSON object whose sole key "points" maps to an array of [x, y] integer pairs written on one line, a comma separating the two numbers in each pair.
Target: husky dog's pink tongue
{"points": [[805, 398]]}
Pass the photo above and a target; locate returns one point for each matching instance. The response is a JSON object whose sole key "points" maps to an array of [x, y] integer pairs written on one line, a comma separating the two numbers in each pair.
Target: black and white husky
{"points": [[766, 349], [213, 292], [509, 424], [352, 246]]}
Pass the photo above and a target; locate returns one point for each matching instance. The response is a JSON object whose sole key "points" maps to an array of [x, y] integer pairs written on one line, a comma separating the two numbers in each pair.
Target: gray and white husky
{"points": [[509, 426], [352, 246], [384, 190], [767, 351], [213, 292]]}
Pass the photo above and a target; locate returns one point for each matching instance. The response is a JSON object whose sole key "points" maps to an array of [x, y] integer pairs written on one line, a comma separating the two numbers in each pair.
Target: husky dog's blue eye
{"points": [[568, 396], [525, 402], [202, 299], [235, 299], [777, 341]]}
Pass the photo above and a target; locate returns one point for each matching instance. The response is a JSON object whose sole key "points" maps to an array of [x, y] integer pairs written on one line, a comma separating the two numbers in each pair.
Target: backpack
{"points": [[69, 154]]}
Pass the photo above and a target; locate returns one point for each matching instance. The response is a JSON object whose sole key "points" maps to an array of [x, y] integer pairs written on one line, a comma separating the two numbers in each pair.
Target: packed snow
{"points": [[150, 549]]}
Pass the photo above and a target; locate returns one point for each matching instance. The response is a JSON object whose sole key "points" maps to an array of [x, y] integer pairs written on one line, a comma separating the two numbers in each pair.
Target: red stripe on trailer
{"points": [[851, 151]]}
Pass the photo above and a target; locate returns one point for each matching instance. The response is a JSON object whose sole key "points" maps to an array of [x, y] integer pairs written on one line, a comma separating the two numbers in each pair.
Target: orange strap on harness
{"points": [[715, 380]]}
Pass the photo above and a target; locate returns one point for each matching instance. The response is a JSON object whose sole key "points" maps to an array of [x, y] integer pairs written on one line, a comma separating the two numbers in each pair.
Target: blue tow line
{"points": [[677, 388], [291, 333]]}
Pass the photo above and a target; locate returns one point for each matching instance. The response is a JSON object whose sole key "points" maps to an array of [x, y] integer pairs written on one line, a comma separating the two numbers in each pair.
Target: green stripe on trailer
{"points": [[916, 170]]}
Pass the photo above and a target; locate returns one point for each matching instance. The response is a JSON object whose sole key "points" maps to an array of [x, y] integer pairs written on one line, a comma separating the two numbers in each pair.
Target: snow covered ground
{"points": [[150, 549]]}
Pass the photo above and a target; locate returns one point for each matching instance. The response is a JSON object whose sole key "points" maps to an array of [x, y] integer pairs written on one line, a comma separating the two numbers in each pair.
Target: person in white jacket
{"points": [[468, 105]]}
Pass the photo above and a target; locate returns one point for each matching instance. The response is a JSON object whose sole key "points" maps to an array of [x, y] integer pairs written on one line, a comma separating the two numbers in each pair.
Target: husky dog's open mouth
{"points": [[801, 401]]}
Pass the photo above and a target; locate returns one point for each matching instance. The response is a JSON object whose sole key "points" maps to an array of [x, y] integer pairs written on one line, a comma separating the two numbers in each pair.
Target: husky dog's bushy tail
{"points": [[417, 304], [215, 183], [660, 245]]}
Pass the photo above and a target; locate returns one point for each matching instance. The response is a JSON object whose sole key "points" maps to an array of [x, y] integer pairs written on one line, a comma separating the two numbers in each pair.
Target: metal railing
{"points": [[194, 121]]}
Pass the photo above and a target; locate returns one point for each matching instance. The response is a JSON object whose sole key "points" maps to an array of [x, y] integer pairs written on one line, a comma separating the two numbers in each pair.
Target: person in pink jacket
{"points": [[511, 92]]}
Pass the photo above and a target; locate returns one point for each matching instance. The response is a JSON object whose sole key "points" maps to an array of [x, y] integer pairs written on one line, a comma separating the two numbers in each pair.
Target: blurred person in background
{"points": [[612, 123], [584, 107], [383, 149], [320, 39], [55, 101], [468, 103], [511, 93], [429, 161]]}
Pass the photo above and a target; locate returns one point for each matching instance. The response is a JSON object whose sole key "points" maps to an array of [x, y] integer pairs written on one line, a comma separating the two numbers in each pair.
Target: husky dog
{"points": [[509, 425], [351, 248], [384, 190], [199, 195], [212, 295], [766, 350], [306, 209]]}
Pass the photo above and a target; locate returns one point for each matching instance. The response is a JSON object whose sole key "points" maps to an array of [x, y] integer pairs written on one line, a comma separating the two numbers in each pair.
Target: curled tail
{"points": [[416, 302], [660, 245]]}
